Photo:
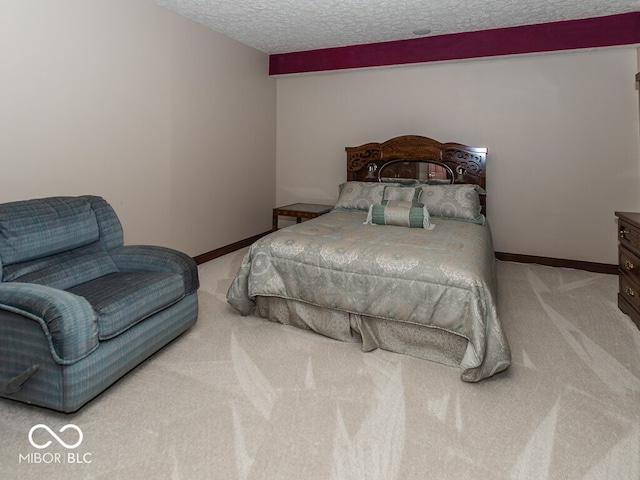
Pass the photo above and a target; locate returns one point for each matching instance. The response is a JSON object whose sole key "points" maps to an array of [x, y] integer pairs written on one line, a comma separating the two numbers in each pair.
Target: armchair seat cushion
{"points": [[122, 300]]}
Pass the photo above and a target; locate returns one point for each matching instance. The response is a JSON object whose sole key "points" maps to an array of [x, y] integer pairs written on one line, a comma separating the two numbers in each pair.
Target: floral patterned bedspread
{"points": [[442, 278]]}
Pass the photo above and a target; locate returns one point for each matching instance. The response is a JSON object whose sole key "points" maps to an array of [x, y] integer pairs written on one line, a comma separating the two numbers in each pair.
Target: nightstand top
{"points": [[304, 208]]}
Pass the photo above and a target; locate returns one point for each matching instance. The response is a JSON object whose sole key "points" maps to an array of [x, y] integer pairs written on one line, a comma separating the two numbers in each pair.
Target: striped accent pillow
{"points": [[399, 213]]}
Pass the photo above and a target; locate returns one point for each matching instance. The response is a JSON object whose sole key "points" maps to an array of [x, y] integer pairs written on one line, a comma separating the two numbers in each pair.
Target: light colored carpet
{"points": [[243, 398]]}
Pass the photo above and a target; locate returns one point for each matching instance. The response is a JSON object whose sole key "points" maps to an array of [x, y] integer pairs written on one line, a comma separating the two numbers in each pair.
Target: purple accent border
{"points": [[612, 30]]}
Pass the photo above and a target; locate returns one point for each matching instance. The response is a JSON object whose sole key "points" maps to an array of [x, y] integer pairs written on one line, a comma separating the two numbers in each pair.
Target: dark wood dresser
{"points": [[629, 264]]}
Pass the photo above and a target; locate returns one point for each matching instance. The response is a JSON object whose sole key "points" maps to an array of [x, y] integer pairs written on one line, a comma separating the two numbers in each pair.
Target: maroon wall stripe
{"points": [[622, 29]]}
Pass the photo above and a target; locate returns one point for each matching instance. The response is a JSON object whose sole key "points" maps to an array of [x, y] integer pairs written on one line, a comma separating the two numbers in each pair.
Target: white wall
{"points": [[562, 131], [154, 112]]}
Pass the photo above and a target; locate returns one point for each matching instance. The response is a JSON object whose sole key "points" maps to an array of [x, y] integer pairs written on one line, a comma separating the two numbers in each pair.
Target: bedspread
{"points": [[438, 279]]}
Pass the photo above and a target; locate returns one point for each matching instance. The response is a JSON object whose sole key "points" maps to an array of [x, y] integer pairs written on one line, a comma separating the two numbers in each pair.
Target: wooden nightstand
{"points": [[629, 264], [300, 211]]}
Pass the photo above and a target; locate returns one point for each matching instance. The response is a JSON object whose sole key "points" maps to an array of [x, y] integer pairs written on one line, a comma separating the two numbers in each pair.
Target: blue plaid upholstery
{"points": [[124, 299], [68, 387], [31, 230], [78, 309], [111, 235], [68, 321], [142, 258], [63, 270]]}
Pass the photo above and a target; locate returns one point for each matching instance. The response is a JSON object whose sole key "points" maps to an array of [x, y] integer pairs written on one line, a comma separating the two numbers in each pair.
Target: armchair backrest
{"points": [[58, 241]]}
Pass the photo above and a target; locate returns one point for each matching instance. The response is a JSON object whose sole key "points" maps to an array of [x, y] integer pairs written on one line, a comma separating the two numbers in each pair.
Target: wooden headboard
{"points": [[469, 163], [365, 162]]}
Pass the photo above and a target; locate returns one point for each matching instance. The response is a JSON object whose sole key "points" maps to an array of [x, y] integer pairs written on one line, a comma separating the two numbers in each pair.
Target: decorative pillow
{"points": [[456, 202], [400, 215], [402, 194], [360, 195]]}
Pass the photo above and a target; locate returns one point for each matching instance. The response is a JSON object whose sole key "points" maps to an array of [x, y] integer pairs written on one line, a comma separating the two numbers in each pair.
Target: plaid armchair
{"points": [[78, 309]]}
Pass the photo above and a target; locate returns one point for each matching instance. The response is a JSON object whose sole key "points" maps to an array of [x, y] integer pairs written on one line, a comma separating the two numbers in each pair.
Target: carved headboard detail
{"points": [[468, 162]]}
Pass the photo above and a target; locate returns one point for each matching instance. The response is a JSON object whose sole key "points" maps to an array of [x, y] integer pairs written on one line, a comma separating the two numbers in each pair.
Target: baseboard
{"points": [[219, 252], [507, 257], [559, 262]]}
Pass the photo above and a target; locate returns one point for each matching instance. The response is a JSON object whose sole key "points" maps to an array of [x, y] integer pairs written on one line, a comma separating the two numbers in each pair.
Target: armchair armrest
{"points": [[67, 320], [150, 258]]}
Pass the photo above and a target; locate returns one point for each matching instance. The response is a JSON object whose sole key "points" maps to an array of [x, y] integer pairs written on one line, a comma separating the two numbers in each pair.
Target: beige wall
{"points": [[159, 115], [562, 131], [162, 117]]}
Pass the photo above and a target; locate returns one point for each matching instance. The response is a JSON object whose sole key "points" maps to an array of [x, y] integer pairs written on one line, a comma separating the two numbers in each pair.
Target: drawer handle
{"points": [[629, 291], [624, 232], [628, 265]]}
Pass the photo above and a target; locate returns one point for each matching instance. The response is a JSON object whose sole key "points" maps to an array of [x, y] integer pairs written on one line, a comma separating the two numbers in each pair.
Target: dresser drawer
{"points": [[629, 263], [630, 291], [629, 235]]}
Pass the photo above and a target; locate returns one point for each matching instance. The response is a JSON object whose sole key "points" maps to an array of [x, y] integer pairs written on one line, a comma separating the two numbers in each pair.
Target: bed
{"points": [[404, 262]]}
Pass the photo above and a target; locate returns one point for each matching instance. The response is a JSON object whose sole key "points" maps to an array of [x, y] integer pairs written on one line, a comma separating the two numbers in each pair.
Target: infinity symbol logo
{"points": [[70, 425]]}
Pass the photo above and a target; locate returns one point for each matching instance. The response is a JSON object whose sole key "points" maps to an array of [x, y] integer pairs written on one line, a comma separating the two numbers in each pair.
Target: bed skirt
{"points": [[419, 341]]}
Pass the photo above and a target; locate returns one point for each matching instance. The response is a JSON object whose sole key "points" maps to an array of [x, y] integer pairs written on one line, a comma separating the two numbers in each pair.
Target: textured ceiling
{"points": [[283, 26]]}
